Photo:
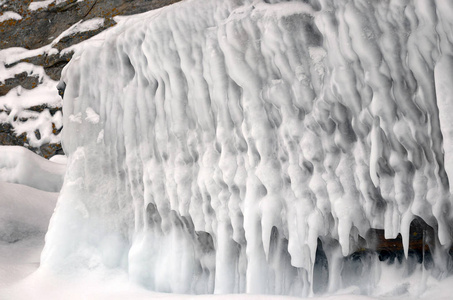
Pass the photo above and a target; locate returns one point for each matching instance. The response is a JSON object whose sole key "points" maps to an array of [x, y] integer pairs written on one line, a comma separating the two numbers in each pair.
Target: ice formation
{"points": [[215, 146]]}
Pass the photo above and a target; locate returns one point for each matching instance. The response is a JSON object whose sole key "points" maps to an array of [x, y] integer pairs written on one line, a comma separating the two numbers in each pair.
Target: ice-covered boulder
{"points": [[214, 146]]}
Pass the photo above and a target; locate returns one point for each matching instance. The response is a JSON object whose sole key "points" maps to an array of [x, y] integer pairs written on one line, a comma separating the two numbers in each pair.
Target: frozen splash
{"points": [[218, 146]]}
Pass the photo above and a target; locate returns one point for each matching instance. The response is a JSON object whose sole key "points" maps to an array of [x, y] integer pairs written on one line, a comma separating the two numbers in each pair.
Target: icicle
{"points": [[405, 231]]}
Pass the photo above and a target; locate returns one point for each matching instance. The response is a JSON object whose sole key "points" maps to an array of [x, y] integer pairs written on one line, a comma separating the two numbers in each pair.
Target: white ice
{"points": [[213, 145], [231, 137]]}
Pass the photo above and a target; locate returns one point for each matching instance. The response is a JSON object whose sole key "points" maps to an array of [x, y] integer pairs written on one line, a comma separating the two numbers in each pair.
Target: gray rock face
{"points": [[38, 28]]}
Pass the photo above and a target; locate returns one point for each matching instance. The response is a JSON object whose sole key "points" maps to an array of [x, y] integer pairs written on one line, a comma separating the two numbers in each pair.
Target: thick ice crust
{"points": [[212, 143]]}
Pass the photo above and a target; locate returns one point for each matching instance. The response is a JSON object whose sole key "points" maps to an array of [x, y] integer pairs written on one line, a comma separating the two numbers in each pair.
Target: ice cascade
{"points": [[229, 146]]}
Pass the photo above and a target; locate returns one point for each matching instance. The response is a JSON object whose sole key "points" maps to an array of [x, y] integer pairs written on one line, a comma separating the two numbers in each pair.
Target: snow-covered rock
{"points": [[213, 145], [37, 39]]}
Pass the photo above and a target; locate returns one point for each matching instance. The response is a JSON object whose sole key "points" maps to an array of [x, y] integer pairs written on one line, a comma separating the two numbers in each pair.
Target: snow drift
{"points": [[215, 146], [20, 165], [28, 185]]}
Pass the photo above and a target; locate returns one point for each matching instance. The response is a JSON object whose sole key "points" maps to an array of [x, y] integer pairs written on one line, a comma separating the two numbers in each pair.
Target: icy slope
{"points": [[213, 143]]}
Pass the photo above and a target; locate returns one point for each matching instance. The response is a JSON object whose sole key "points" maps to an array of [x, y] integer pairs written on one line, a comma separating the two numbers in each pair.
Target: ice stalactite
{"points": [[227, 146]]}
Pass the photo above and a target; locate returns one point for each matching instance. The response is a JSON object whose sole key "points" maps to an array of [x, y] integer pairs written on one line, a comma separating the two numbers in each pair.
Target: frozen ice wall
{"points": [[213, 145]]}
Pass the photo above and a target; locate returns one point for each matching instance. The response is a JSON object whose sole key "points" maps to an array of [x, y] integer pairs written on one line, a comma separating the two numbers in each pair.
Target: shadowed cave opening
{"points": [[356, 269]]}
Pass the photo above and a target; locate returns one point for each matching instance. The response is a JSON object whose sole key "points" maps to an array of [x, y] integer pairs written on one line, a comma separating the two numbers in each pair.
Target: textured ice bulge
{"points": [[214, 146]]}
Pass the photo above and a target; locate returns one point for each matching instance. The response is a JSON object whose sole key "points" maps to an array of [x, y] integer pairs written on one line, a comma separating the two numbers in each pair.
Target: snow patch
{"points": [[36, 4], [9, 15], [81, 26], [20, 165]]}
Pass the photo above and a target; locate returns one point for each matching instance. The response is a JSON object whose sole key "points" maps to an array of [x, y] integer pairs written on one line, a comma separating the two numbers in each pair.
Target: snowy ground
{"points": [[17, 281]]}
